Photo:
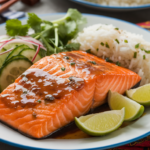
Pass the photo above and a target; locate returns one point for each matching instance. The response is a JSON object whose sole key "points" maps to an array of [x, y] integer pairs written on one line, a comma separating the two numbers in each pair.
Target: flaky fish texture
{"points": [[58, 88]]}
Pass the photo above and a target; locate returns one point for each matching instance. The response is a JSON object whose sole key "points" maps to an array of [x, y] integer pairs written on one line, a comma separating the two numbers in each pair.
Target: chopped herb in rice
{"points": [[137, 45], [133, 49], [102, 44], [147, 51], [117, 41], [107, 45], [126, 41], [135, 54], [116, 28]]}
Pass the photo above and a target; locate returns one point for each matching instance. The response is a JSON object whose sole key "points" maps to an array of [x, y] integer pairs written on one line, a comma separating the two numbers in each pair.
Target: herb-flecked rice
{"points": [[127, 49]]}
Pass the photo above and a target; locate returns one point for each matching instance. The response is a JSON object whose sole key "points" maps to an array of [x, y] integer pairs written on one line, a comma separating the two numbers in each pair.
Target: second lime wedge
{"points": [[101, 123], [140, 95], [133, 110]]}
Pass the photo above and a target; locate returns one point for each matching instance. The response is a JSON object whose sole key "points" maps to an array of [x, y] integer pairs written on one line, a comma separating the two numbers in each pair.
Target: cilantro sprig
{"points": [[15, 27], [53, 34]]}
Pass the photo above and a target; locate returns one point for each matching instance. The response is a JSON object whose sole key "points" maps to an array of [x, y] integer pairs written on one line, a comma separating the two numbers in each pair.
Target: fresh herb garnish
{"points": [[137, 45], [39, 101], [108, 60], [116, 28], [72, 46], [117, 41], [66, 57], [35, 22], [63, 68], [92, 62], [15, 27], [126, 41], [102, 44], [72, 63], [118, 63], [135, 54], [144, 57], [97, 49], [88, 50], [146, 51], [98, 28], [53, 34], [107, 45], [25, 92]]}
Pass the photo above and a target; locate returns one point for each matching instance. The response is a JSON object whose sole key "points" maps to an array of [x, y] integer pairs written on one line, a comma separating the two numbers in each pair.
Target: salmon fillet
{"points": [[58, 88]]}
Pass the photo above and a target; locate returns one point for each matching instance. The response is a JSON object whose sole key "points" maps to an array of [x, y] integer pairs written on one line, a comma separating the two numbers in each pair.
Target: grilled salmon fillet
{"points": [[58, 88]]}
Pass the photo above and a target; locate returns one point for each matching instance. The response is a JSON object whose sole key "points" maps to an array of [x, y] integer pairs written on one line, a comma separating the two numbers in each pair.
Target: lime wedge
{"points": [[140, 95], [101, 123], [133, 109]]}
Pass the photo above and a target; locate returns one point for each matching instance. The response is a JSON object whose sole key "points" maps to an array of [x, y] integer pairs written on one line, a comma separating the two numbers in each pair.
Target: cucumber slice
{"points": [[12, 69], [30, 53], [12, 58], [16, 50], [2, 59], [14, 44], [3, 56], [8, 55]]}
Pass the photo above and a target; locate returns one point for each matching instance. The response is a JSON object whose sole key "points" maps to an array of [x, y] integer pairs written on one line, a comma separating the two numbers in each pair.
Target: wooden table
{"points": [[52, 6]]}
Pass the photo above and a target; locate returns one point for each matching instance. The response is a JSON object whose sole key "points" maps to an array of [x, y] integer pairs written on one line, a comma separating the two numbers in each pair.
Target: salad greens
{"points": [[15, 27], [55, 35]]}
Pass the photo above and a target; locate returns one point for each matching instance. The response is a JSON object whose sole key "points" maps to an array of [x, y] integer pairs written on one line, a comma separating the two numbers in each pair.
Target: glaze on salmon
{"points": [[58, 88]]}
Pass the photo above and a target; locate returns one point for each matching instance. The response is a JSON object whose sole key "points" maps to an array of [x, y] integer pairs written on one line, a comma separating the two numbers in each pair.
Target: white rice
{"points": [[120, 2], [92, 37]]}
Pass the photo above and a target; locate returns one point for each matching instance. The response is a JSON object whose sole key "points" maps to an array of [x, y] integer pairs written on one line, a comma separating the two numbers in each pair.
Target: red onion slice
{"points": [[23, 40], [5, 42], [7, 51], [30, 39], [36, 44], [37, 51]]}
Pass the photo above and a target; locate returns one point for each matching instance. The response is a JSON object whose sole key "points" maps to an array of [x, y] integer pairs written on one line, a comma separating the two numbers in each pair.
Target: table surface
{"points": [[52, 6]]}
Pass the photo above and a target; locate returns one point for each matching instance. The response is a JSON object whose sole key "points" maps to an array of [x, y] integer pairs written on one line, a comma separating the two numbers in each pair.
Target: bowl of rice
{"points": [[115, 5]]}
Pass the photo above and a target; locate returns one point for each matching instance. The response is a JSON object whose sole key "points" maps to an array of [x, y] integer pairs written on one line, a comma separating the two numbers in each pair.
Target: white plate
{"points": [[133, 132], [111, 8]]}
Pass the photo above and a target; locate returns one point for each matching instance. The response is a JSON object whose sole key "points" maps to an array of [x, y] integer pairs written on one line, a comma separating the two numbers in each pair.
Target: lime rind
{"points": [[82, 125], [138, 115], [140, 93], [133, 109]]}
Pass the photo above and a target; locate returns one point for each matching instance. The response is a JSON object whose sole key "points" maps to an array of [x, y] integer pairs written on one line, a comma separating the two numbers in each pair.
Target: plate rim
{"points": [[112, 7], [96, 148]]}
